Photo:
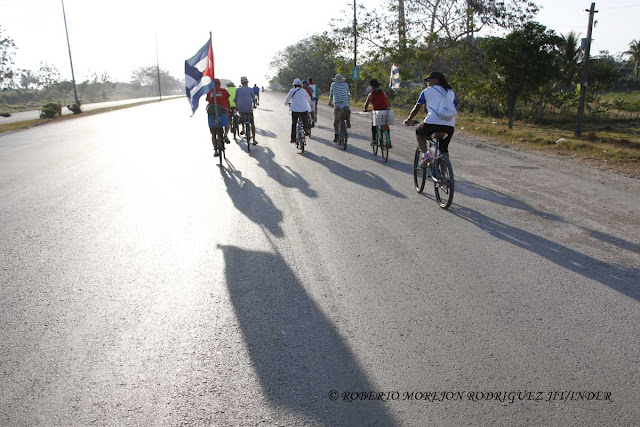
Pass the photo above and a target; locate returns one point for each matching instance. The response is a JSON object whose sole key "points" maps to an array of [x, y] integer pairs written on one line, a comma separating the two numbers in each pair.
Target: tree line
{"points": [[531, 71], [31, 88]]}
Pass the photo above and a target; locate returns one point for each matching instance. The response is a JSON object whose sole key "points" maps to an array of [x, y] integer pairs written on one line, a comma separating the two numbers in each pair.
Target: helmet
{"points": [[297, 82], [305, 82]]}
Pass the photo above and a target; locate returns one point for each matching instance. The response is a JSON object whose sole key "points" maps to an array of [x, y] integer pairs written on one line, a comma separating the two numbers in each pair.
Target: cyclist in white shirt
{"points": [[299, 103], [430, 99]]}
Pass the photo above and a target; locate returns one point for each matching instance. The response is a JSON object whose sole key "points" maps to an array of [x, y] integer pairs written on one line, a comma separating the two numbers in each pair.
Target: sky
{"points": [[118, 36]]}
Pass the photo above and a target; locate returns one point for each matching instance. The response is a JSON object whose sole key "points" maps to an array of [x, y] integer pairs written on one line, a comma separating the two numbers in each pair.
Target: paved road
{"points": [[143, 284], [22, 116]]}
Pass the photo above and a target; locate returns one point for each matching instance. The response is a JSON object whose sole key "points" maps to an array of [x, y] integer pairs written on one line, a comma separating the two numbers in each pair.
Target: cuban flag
{"points": [[199, 74], [394, 78]]}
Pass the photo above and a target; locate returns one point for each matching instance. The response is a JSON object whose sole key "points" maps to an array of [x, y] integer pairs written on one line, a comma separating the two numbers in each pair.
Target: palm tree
{"points": [[634, 53], [570, 56]]}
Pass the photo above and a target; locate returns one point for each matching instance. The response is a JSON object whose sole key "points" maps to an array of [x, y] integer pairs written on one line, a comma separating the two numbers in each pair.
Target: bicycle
{"points": [[381, 119], [342, 133], [300, 136], [217, 131], [217, 139], [235, 119], [247, 129], [439, 170]]}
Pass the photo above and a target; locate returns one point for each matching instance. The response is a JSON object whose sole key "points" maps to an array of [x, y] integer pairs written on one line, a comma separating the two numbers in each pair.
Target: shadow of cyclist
{"points": [[296, 352]]}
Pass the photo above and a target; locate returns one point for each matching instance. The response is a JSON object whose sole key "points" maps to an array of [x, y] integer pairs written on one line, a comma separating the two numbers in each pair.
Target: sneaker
{"points": [[336, 138], [241, 132], [292, 141], [216, 154], [374, 143], [254, 142], [226, 140]]}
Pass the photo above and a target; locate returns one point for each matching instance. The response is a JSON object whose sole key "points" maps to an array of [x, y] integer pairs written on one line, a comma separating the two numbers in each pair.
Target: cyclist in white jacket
{"points": [[299, 103]]}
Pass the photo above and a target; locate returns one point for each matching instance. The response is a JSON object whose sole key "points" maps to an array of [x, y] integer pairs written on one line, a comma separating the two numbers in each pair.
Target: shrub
{"points": [[51, 111]]}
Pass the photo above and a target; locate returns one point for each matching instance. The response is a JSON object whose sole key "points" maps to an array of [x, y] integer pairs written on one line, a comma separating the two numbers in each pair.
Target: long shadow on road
{"points": [[360, 177], [477, 191], [622, 279], [392, 162], [251, 200], [285, 177], [295, 350]]}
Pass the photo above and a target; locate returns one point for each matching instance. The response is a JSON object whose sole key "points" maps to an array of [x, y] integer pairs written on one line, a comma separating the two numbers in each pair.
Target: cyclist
{"points": [[299, 103], [231, 88], [379, 100], [244, 103], [218, 99], [430, 99], [339, 100], [256, 90], [314, 98]]}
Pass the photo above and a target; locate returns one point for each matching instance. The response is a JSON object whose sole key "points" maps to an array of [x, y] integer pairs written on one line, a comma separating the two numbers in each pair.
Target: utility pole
{"points": [[158, 68], [355, 51], [585, 71], [73, 78], [402, 25]]}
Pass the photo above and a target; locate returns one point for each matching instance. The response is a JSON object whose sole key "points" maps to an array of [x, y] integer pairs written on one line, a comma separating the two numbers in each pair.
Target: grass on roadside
{"points": [[611, 145]]}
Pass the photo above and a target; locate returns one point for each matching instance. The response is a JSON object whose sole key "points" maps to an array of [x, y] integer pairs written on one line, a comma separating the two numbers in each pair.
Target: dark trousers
{"points": [[294, 122]]}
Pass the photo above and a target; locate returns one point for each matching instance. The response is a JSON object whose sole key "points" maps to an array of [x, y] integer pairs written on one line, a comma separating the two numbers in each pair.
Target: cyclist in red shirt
{"points": [[379, 100], [221, 97]]}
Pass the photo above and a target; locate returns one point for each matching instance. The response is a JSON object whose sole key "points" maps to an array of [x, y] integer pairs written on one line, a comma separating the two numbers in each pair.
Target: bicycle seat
{"points": [[438, 136]]}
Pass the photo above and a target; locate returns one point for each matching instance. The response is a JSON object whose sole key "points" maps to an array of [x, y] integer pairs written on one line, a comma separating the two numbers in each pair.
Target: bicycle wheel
{"points": [[377, 143], [419, 174], [444, 183], [234, 126], [343, 134], [247, 134], [384, 138], [219, 143]]}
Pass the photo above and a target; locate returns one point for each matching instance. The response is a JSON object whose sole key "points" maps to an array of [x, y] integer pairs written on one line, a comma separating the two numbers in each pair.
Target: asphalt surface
{"points": [[143, 284]]}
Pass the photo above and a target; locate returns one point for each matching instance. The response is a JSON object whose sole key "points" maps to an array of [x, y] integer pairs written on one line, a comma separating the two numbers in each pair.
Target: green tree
{"points": [[7, 46], [48, 75], [522, 63], [570, 56], [148, 77], [312, 57], [28, 80], [634, 56], [603, 72]]}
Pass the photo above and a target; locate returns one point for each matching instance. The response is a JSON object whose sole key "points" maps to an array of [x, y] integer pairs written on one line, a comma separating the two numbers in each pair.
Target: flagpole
{"points": [[73, 78], [213, 78], [158, 68]]}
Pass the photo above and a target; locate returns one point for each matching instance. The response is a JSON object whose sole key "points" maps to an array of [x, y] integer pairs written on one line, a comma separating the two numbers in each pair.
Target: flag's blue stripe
{"points": [[193, 76]]}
